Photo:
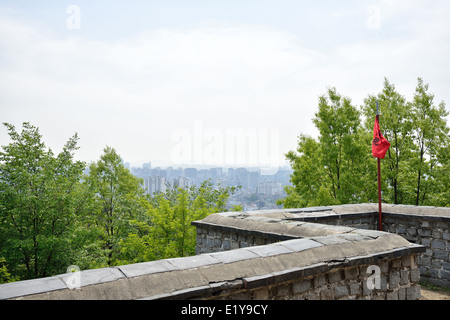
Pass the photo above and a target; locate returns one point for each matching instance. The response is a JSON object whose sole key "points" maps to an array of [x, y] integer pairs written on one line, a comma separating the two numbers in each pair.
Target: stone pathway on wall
{"points": [[427, 294]]}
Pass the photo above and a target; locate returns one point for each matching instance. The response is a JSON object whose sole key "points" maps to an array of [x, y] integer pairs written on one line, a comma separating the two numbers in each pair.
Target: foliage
{"points": [[168, 232], [338, 167], [41, 201], [117, 198]]}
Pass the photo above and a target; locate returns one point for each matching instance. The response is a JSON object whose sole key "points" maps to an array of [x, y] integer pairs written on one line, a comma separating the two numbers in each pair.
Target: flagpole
{"points": [[379, 184]]}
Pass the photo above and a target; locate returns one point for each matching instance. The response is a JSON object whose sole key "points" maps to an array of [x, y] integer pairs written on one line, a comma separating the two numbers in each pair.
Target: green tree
{"points": [[167, 231], [396, 124], [430, 135], [118, 198], [41, 204], [338, 166], [328, 170]]}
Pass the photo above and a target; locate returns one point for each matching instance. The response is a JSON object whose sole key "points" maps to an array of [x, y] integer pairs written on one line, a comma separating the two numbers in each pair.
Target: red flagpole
{"points": [[379, 184], [379, 195], [379, 147]]}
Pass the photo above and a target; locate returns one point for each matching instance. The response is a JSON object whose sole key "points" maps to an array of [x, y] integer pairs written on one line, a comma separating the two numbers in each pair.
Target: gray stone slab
{"points": [[28, 287], [94, 276], [331, 239], [139, 269], [370, 233], [234, 255], [310, 209], [354, 237], [270, 250], [300, 244], [193, 262]]}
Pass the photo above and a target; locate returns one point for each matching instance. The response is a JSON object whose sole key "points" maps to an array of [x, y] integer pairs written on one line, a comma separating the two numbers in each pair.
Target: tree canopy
{"points": [[53, 215], [337, 167]]}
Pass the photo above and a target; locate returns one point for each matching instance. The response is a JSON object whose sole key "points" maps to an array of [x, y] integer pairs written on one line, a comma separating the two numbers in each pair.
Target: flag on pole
{"points": [[379, 148], [379, 144]]}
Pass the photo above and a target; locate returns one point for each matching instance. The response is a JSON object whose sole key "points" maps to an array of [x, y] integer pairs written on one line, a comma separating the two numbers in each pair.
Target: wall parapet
{"points": [[307, 253], [427, 226], [284, 270]]}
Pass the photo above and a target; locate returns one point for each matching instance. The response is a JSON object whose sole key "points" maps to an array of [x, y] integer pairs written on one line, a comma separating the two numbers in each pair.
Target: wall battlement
{"points": [[309, 253]]}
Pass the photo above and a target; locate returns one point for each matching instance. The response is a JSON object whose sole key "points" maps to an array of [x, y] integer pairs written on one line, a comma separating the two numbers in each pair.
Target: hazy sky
{"points": [[207, 82]]}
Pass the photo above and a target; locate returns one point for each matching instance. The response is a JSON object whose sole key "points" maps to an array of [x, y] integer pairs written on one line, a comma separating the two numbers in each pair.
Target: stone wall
{"points": [[427, 226], [398, 281], [432, 232], [336, 266], [311, 253]]}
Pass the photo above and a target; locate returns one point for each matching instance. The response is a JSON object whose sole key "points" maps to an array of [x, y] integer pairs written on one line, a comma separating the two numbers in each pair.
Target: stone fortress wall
{"points": [[309, 253]]}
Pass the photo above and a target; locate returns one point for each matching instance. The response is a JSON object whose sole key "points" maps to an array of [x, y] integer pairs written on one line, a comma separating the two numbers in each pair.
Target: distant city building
{"points": [[270, 188], [155, 184], [257, 190]]}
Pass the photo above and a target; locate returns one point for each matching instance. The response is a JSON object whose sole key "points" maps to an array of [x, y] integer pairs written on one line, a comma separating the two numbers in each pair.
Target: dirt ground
{"points": [[427, 294]]}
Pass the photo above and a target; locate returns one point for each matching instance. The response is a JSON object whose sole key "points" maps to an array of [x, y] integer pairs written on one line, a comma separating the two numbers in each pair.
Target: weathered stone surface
{"points": [[29, 287], [139, 269], [309, 260]]}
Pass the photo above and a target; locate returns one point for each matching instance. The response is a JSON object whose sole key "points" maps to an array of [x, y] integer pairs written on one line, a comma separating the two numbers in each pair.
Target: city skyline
{"points": [[256, 190]]}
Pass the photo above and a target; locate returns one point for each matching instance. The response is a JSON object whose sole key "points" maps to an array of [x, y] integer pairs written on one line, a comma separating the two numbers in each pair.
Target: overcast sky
{"points": [[207, 82]]}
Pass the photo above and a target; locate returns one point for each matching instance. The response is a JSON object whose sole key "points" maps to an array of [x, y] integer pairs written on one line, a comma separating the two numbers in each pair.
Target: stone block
{"points": [[261, 294], [404, 277], [402, 294], [27, 287], [411, 231], [234, 255], [445, 274], [436, 234], [351, 273], [392, 295], [301, 244], [394, 280], [426, 242], [327, 294], [406, 261], [319, 281], [440, 254], [335, 276], [270, 250], [424, 232], [396, 263], [301, 286], [226, 245], [193, 261], [340, 291], [413, 293], [438, 244], [139, 269], [355, 288], [415, 275]]}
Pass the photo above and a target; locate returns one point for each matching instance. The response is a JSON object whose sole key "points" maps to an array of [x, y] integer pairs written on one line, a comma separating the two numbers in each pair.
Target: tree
{"points": [[430, 137], [118, 198], [41, 204], [326, 170], [167, 231], [396, 124], [338, 166]]}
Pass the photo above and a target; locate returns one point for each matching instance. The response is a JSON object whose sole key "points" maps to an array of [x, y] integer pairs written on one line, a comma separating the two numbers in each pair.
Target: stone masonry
{"points": [[427, 226]]}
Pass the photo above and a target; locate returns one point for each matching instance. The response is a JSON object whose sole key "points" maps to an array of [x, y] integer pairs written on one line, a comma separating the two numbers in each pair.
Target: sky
{"points": [[220, 83]]}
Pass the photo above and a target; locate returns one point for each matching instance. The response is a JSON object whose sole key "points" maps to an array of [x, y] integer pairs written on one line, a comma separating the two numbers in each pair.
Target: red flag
{"points": [[379, 144]]}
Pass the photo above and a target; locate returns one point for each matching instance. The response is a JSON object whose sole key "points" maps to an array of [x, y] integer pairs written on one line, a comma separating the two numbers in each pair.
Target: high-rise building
{"points": [[154, 184]]}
